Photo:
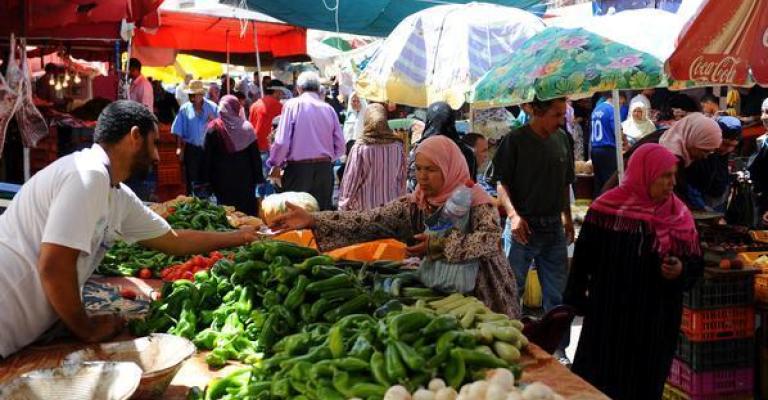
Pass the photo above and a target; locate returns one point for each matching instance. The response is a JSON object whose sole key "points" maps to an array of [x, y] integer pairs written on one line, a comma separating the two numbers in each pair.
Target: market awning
{"points": [[184, 64], [723, 41], [217, 29], [363, 17], [62, 60], [74, 19]]}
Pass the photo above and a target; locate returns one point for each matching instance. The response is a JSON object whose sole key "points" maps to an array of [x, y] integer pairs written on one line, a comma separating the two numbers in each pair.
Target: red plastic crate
{"points": [[761, 288], [672, 393], [718, 324], [710, 383], [169, 175], [164, 133], [168, 155]]}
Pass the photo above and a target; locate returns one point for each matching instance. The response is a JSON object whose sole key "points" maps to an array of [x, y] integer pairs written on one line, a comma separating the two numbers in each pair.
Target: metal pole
{"points": [[227, 69], [25, 150], [118, 68], [258, 58], [125, 67], [617, 134]]}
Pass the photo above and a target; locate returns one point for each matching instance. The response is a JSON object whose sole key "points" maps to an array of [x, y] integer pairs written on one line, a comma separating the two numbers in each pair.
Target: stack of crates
{"points": [[170, 179], [715, 352], [756, 259]]}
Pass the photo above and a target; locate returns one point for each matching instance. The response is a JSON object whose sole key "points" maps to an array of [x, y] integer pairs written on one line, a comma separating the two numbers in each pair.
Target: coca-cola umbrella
{"points": [[722, 43]]}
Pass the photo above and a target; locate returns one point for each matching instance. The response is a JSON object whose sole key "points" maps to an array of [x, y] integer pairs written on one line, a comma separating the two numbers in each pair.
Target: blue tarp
{"points": [[363, 17], [601, 7]]}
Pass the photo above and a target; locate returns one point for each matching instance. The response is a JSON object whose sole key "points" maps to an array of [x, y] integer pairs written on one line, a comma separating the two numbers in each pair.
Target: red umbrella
{"points": [[722, 42]]}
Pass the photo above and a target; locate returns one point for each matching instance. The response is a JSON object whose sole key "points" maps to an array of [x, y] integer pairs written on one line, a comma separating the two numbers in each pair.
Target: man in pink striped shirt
{"points": [[307, 142]]}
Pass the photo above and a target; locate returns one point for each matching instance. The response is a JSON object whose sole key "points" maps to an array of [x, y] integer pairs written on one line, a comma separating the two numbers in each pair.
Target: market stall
{"points": [[276, 310], [717, 336]]}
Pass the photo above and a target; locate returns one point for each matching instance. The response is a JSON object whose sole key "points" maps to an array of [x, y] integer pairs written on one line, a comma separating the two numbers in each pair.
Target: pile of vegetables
{"points": [[135, 260], [499, 384], [361, 356], [497, 331], [189, 268], [311, 328], [125, 259], [270, 289], [198, 214]]}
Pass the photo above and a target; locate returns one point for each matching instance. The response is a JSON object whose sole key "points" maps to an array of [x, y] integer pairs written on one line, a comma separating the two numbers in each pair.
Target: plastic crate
{"points": [[729, 381], [164, 134], [168, 155], [750, 257], [719, 354], [761, 288], [721, 290], [169, 175], [718, 324], [672, 393]]}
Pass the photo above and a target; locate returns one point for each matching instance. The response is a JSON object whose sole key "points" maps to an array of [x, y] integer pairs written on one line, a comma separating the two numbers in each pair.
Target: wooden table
{"points": [[538, 366]]}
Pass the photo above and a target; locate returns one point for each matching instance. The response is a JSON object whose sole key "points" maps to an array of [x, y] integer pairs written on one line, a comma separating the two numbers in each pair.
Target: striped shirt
{"points": [[375, 175]]}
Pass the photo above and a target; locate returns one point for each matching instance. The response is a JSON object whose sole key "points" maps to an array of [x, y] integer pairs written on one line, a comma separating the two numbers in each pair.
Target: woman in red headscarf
{"points": [[637, 251], [232, 163], [440, 169]]}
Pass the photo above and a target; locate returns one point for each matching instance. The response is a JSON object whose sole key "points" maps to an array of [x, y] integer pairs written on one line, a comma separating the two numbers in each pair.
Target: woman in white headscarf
{"points": [[353, 124], [638, 124]]}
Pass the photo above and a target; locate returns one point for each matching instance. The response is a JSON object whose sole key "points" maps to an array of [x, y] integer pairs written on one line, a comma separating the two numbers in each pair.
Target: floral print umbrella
{"points": [[560, 62]]}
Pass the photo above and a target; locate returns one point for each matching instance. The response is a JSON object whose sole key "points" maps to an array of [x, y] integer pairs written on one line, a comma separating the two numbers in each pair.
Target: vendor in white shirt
{"points": [[58, 227]]}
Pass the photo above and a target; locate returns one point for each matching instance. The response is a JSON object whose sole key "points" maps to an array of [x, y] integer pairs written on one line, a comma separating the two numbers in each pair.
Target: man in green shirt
{"points": [[534, 169]]}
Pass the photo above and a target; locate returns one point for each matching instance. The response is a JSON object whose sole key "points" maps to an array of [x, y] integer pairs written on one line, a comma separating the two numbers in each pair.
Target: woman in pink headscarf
{"points": [[440, 169], [637, 251], [232, 163], [695, 137]]}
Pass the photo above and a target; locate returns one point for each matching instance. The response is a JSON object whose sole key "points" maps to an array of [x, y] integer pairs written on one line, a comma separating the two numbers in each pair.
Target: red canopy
{"points": [[75, 19], [192, 31], [722, 42]]}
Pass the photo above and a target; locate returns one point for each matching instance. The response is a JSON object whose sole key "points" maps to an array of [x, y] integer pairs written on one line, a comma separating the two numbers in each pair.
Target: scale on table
{"points": [[7, 192]]}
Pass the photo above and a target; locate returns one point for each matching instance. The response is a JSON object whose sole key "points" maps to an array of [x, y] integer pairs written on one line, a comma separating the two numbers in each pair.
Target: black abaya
{"points": [[631, 313], [232, 176]]}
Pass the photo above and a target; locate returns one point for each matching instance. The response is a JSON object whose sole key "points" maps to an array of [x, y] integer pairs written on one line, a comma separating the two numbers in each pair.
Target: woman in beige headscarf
{"points": [[375, 172], [638, 124]]}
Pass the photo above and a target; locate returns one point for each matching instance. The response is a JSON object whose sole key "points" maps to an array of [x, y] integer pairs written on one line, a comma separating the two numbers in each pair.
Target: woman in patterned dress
{"points": [[441, 168], [376, 165]]}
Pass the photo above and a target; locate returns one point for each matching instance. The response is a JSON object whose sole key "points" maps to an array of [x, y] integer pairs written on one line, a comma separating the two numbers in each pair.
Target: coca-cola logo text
{"points": [[714, 68]]}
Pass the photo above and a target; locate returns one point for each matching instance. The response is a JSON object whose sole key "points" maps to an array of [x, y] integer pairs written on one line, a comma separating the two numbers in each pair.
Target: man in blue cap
{"points": [[709, 180]]}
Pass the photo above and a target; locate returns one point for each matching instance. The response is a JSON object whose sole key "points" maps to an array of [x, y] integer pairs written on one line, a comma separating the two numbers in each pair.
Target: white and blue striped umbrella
{"points": [[437, 54]]}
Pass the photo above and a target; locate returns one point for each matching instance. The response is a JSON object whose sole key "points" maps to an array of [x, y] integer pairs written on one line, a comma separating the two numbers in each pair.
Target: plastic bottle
{"points": [[456, 207]]}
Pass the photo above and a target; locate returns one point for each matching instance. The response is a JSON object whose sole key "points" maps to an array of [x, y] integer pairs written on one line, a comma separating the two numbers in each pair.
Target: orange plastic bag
{"points": [[377, 250], [303, 237]]}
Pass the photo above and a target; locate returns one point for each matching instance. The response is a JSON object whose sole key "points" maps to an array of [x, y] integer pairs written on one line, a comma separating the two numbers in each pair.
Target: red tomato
{"points": [[171, 210], [145, 273], [173, 274], [188, 275], [128, 293]]}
